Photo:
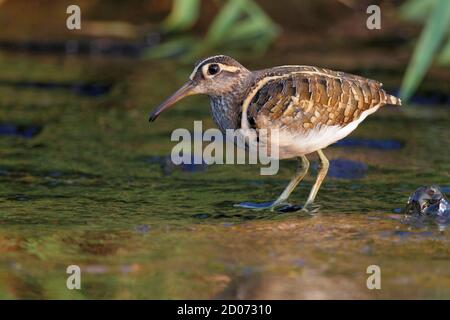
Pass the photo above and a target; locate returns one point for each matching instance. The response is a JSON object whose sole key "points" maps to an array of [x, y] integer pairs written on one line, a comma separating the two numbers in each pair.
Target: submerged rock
{"points": [[387, 144], [347, 169], [24, 131], [429, 202], [82, 89], [168, 167]]}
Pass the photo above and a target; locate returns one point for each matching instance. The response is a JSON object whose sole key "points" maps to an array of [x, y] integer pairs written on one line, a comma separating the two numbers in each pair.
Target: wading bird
{"points": [[311, 107]]}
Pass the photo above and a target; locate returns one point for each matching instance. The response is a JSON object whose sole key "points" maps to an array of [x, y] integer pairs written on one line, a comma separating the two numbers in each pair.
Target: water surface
{"points": [[84, 179]]}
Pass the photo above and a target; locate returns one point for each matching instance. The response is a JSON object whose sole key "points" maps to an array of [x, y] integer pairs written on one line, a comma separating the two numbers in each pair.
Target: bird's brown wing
{"points": [[305, 98]]}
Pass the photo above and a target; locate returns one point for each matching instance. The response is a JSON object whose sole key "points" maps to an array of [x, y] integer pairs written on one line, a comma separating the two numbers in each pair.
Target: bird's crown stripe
{"points": [[201, 63]]}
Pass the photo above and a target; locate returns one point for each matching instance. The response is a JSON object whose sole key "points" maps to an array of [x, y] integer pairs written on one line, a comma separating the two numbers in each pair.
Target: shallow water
{"points": [[93, 187]]}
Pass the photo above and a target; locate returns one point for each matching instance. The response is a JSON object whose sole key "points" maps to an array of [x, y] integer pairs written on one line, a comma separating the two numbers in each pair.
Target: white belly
{"points": [[291, 144]]}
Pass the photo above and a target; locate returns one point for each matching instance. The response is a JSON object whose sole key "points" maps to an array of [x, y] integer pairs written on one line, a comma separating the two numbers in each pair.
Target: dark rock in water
{"points": [[196, 165], [90, 89], [167, 166], [429, 202], [19, 197], [101, 47], [370, 143], [346, 169], [55, 174], [201, 215], [24, 131], [431, 98], [82, 89]]}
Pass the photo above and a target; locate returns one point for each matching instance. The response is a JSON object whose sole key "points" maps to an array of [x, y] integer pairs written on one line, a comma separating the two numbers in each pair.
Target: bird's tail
{"points": [[393, 100]]}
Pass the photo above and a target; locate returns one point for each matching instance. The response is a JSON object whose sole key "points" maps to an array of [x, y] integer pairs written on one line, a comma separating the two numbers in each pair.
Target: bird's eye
{"points": [[213, 69]]}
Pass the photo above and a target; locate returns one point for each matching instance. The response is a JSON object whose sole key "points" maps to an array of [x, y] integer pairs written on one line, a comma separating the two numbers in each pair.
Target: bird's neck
{"points": [[226, 110]]}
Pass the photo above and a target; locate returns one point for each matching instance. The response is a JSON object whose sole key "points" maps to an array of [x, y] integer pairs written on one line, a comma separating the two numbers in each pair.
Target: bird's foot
{"points": [[271, 205], [280, 206], [310, 208]]}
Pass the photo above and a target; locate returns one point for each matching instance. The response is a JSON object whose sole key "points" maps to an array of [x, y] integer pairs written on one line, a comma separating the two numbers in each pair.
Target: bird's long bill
{"points": [[186, 90]]}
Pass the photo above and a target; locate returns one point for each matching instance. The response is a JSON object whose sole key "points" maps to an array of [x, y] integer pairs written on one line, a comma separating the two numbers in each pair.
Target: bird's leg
{"points": [[302, 169], [281, 200], [323, 170]]}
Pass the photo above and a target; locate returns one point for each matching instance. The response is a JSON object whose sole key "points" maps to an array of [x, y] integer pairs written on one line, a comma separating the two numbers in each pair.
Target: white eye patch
{"points": [[222, 67]]}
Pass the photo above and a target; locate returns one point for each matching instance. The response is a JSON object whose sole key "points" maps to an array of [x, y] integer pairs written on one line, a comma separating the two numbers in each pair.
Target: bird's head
{"points": [[214, 76]]}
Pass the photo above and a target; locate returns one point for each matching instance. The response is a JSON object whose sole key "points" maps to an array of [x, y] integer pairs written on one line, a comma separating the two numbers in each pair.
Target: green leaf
{"points": [[426, 48], [239, 23], [227, 27], [416, 10], [183, 15], [444, 57], [230, 12], [176, 46]]}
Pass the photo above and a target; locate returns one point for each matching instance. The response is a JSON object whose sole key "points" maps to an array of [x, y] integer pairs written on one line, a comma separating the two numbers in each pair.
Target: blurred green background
{"points": [[416, 31]]}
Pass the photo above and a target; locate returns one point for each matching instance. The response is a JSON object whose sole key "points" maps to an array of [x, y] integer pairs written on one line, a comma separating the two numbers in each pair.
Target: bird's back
{"points": [[303, 97], [312, 107]]}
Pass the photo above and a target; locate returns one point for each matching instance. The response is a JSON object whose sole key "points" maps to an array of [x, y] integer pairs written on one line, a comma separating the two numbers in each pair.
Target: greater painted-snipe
{"points": [[311, 107]]}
